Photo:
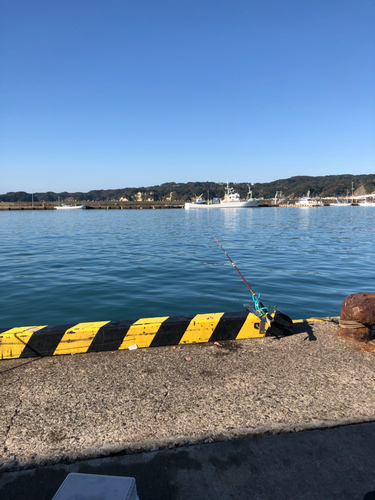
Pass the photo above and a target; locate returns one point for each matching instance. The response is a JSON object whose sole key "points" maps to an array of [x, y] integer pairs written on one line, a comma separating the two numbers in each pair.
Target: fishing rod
{"points": [[262, 310]]}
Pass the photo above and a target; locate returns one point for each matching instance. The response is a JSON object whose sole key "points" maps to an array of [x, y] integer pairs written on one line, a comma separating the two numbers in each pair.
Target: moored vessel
{"points": [[70, 207], [307, 201], [231, 200], [340, 204], [367, 203]]}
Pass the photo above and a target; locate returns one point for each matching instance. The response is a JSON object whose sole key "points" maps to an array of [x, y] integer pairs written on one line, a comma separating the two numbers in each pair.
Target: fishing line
{"points": [[262, 310]]}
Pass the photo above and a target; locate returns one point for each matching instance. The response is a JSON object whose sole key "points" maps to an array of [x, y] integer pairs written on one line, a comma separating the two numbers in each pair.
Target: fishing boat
{"points": [[306, 202], [231, 200], [200, 201], [340, 204], [367, 203], [70, 207]]}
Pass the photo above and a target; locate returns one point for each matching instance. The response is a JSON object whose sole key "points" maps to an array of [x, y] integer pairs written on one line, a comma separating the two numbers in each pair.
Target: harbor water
{"points": [[60, 267]]}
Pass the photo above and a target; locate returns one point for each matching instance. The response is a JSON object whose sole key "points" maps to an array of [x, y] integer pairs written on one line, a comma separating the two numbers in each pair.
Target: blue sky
{"points": [[98, 94]]}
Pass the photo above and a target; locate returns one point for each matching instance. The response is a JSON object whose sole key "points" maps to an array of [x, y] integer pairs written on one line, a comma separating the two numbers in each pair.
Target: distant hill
{"points": [[322, 186]]}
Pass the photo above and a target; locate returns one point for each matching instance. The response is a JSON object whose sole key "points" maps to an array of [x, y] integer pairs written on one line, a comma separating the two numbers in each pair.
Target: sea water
{"points": [[60, 267]]}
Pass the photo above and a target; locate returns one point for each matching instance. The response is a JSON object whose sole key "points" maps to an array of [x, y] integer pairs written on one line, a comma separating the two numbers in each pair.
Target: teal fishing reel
{"points": [[279, 324]]}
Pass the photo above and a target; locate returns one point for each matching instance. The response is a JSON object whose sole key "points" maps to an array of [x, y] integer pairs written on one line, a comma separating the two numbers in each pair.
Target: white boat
{"points": [[306, 201], [200, 201], [340, 204], [231, 200], [70, 207], [366, 203]]}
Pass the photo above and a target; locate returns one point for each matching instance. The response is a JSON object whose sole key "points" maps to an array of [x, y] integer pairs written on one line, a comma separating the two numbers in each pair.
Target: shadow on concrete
{"points": [[27, 362], [304, 327], [311, 465]]}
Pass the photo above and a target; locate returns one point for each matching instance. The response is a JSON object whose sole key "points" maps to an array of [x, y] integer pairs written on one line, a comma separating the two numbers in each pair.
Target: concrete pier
{"points": [[309, 465], [73, 408], [94, 205]]}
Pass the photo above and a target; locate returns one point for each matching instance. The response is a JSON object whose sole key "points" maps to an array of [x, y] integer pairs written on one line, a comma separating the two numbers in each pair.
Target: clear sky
{"points": [[99, 94]]}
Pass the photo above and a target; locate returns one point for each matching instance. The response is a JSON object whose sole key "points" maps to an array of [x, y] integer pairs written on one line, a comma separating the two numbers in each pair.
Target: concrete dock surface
{"points": [[148, 405], [310, 465]]}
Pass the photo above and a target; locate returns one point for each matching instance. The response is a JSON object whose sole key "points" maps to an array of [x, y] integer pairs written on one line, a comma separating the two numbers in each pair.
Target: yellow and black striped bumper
{"points": [[45, 340]]}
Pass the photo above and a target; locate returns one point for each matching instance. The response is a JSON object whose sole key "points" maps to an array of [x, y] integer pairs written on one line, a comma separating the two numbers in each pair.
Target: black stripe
{"points": [[229, 326], [2, 330], [171, 331], [110, 336], [44, 341]]}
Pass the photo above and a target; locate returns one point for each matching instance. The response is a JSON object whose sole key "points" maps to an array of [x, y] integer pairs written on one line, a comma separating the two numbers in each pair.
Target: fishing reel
{"points": [[279, 324]]}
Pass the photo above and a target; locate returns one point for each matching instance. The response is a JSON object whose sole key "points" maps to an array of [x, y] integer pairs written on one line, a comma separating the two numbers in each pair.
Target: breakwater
{"points": [[129, 205], [96, 205]]}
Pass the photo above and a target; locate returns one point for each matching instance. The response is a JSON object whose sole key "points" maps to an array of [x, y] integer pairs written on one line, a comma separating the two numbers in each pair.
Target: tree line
{"points": [[293, 187]]}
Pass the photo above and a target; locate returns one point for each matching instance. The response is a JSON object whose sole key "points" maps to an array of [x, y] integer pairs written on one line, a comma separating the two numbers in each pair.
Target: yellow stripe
{"points": [[328, 318], [13, 341], [78, 338], [200, 328], [248, 329], [142, 332]]}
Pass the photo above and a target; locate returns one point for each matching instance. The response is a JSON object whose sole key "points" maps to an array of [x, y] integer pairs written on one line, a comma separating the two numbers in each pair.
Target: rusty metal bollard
{"points": [[358, 316]]}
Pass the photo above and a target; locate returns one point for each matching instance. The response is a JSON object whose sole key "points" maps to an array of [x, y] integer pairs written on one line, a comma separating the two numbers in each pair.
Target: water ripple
{"points": [[97, 265]]}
